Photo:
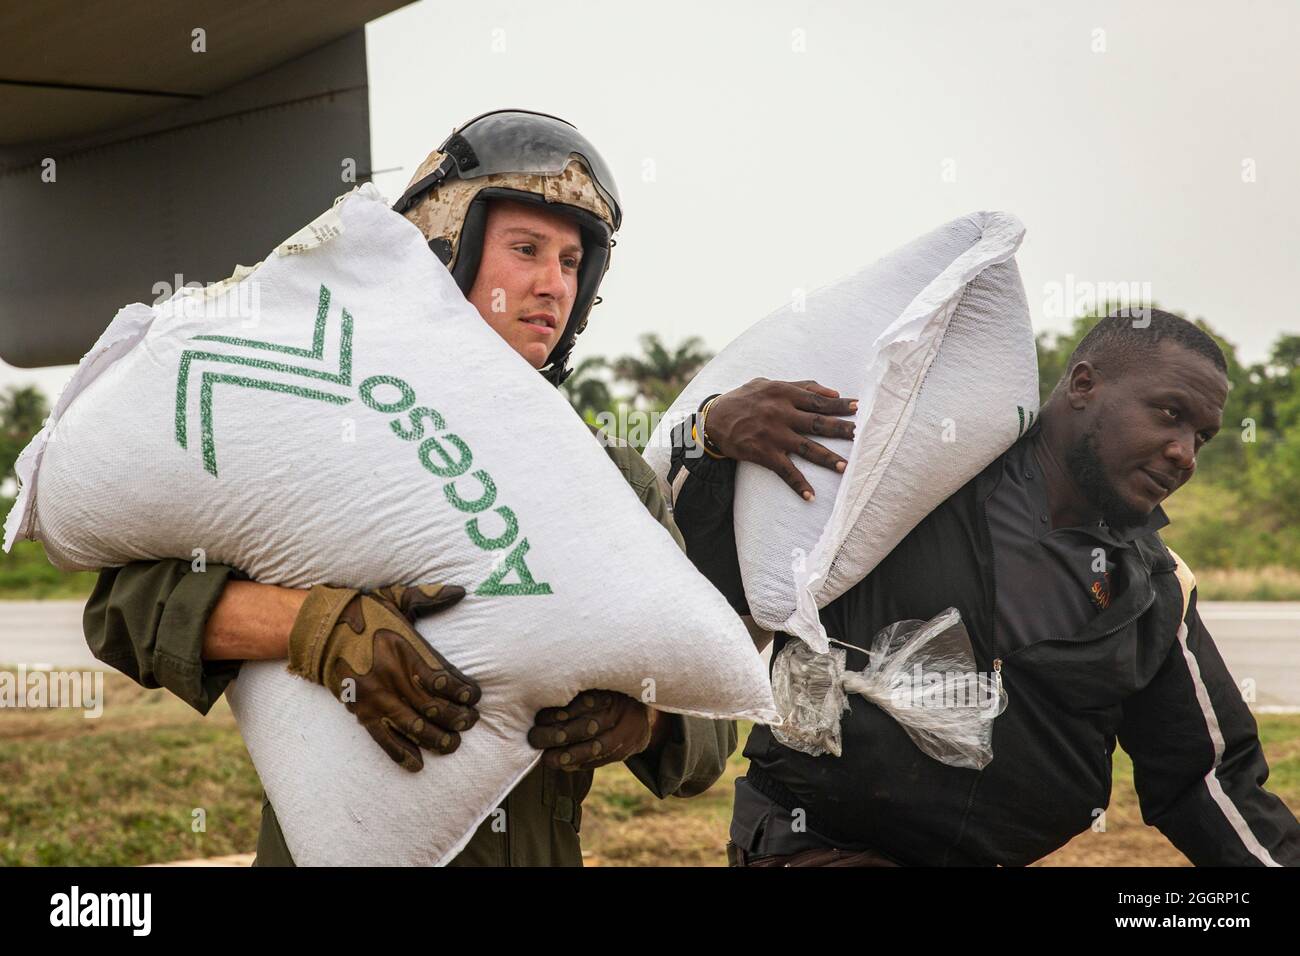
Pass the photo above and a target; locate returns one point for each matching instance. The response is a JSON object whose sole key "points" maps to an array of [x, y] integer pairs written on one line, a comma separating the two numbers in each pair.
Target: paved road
{"points": [[44, 632], [1259, 641]]}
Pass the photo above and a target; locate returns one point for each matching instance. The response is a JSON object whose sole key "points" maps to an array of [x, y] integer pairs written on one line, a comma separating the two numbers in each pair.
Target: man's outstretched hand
{"points": [[364, 648], [595, 728], [768, 423]]}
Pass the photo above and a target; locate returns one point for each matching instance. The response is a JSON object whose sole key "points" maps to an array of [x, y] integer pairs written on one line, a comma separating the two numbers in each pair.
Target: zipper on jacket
{"points": [[997, 662], [510, 860], [993, 581]]}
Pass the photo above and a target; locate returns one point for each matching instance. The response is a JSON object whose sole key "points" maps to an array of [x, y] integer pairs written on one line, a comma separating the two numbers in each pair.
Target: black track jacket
{"points": [[1144, 671]]}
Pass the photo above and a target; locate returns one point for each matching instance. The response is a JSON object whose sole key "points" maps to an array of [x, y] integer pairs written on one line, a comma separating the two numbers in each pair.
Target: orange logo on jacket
{"points": [[1100, 592]]}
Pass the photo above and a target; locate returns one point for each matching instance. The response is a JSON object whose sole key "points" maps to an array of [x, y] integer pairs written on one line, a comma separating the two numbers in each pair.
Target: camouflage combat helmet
{"points": [[527, 157]]}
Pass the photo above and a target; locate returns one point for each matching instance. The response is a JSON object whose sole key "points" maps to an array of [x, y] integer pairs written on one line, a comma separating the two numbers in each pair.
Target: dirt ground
{"points": [[123, 790]]}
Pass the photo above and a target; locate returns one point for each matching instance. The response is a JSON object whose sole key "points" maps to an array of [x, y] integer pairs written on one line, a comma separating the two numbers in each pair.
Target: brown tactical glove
{"points": [[597, 727], [363, 647]]}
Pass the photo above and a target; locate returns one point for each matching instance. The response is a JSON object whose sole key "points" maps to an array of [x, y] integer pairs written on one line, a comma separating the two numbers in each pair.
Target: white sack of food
{"points": [[341, 414], [935, 342]]}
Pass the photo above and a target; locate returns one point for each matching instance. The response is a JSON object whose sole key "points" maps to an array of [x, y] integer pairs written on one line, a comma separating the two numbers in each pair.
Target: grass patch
{"points": [[1248, 584], [27, 575], [122, 790]]}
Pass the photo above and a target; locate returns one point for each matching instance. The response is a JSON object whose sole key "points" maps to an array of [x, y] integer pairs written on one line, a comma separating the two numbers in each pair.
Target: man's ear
{"points": [[1082, 384]]}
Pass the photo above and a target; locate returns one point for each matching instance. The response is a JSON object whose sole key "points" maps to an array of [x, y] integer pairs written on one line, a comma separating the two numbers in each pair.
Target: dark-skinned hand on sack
{"points": [[769, 423]]}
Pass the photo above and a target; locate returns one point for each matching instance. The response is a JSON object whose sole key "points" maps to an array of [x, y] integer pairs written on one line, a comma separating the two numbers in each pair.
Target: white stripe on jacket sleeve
{"points": [[1217, 793]]}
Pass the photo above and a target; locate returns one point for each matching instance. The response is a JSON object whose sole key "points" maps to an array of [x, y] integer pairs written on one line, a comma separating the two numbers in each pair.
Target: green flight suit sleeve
{"points": [[694, 753], [146, 619], [690, 760]]}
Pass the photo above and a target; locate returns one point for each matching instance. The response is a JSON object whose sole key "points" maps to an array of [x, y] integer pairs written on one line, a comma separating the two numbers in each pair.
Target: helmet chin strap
{"points": [[556, 372]]}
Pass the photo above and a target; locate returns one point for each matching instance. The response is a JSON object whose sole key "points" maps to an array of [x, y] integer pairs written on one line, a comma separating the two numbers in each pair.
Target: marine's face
{"points": [[528, 276], [1145, 431]]}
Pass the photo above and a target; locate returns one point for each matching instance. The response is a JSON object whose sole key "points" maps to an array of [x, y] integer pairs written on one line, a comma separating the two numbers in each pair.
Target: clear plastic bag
{"points": [[809, 694], [921, 673]]}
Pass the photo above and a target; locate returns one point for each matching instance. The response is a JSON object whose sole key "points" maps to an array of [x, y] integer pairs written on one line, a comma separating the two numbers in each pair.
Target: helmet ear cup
{"points": [[468, 253]]}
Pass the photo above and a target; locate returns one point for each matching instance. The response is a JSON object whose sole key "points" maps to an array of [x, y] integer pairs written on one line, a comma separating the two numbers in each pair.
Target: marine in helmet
{"points": [[522, 210], [520, 161]]}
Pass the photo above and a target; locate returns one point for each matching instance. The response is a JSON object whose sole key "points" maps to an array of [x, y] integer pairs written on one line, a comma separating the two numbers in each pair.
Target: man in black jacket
{"points": [[1052, 556]]}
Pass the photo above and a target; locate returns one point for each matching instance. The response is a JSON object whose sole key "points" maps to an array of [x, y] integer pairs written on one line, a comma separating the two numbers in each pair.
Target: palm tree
{"points": [[587, 391], [662, 373]]}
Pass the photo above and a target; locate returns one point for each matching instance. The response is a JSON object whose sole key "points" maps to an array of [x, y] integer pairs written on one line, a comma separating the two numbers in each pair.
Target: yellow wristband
{"points": [[701, 421], [695, 437]]}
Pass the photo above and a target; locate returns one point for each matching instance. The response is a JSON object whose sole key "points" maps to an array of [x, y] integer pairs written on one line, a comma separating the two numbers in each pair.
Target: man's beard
{"points": [[1086, 469]]}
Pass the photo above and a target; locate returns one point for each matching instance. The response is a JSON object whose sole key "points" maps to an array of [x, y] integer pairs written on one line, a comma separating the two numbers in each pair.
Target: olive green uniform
{"points": [[147, 620]]}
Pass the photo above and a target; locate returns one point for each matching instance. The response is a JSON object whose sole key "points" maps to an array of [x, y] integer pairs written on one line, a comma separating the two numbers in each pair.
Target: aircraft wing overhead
{"points": [[134, 150]]}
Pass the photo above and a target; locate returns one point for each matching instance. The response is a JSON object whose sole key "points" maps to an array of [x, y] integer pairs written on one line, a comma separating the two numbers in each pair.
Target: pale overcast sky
{"points": [[763, 147]]}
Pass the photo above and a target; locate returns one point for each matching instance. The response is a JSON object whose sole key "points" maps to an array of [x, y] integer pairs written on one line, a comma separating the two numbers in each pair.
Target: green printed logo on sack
{"points": [[1023, 423], [444, 455], [210, 380]]}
